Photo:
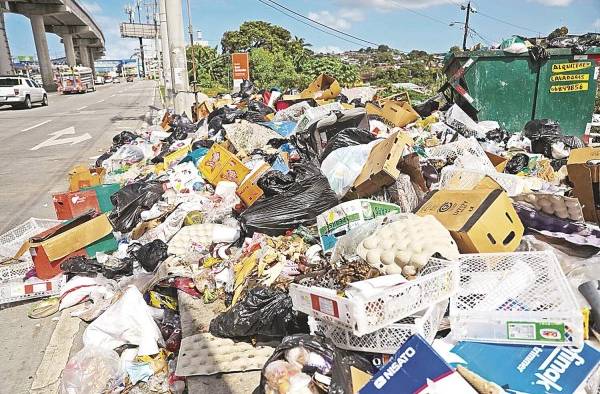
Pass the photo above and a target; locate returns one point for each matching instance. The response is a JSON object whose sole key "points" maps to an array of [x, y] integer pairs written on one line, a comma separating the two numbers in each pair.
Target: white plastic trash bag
{"points": [[128, 321], [343, 166], [93, 370]]}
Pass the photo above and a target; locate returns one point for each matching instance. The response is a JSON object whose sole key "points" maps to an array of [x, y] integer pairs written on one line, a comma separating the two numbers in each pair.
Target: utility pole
{"points": [[468, 8], [166, 57], [177, 52], [191, 31], [141, 40]]}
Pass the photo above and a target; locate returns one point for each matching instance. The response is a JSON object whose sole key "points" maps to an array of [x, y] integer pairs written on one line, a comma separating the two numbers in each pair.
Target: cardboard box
{"points": [[499, 162], [50, 248], [480, 221], [174, 157], [70, 204], [324, 87], [219, 164], [417, 368], [81, 176], [248, 191], [397, 113], [381, 168], [337, 221], [583, 168]]}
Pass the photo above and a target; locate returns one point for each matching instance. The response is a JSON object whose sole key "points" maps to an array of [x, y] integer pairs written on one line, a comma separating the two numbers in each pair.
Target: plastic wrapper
{"points": [[303, 354], [255, 117], [261, 312], [299, 205], [260, 107], [130, 201], [347, 137], [517, 163], [150, 254], [293, 112], [344, 165], [92, 370]]}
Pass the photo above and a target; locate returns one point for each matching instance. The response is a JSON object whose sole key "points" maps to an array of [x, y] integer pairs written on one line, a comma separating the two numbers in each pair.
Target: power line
{"points": [[308, 24], [445, 23], [321, 24], [506, 22]]}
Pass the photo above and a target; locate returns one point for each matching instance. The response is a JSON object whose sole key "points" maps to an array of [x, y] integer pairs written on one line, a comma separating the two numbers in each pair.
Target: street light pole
{"points": [[177, 53], [191, 31]]}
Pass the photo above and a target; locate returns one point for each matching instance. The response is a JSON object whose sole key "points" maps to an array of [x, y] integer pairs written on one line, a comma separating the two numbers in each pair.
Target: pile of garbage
{"points": [[347, 242]]}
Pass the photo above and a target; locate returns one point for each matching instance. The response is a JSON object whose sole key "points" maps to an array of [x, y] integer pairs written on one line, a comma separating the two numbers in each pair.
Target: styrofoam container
{"points": [[515, 298], [438, 281], [19, 290], [387, 340]]}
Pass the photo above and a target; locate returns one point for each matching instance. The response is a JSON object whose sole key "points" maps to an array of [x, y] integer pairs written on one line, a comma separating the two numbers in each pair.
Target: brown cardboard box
{"points": [[583, 168], [219, 164], [81, 176], [480, 221], [248, 191], [499, 162], [324, 87], [381, 168], [397, 113]]}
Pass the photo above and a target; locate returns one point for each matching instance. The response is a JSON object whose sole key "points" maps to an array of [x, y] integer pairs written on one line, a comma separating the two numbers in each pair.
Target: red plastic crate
{"points": [[71, 204]]}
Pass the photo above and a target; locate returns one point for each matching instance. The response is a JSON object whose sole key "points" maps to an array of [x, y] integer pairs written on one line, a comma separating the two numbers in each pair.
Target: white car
{"points": [[22, 92]]}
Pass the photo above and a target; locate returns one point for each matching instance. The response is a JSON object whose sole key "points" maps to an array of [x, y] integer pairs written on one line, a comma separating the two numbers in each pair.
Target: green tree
{"points": [[345, 73], [272, 69], [213, 69], [255, 34]]}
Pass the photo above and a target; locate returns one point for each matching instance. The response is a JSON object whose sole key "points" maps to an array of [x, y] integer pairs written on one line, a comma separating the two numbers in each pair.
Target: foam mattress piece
{"points": [[205, 354]]}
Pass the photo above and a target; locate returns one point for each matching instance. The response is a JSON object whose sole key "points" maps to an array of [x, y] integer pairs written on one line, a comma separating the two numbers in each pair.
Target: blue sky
{"points": [[402, 24]]}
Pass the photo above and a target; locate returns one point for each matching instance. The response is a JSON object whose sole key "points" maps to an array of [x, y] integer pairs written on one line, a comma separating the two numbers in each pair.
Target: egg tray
{"points": [[515, 298], [388, 339], [551, 204], [437, 282]]}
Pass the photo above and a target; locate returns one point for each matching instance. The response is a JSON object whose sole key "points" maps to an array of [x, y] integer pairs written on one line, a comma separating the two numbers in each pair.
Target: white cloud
{"points": [[554, 3], [91, 6], [340, 20], [384, 5], [596, 24], [329, 49], [116, 47]]}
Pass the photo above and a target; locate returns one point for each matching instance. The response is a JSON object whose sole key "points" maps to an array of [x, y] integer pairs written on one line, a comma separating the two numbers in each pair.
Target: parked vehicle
{"points": [[108, 79], [75, 80], [130, 78], [117, 80], [100, 80], [21, 92]]}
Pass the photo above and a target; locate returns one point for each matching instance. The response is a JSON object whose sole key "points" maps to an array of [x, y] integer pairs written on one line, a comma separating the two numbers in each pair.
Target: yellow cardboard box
{"points": [[81, 176], [480, 220], [583, 168], [397, 113], [219, 164], [325, 87], [248, 191]]}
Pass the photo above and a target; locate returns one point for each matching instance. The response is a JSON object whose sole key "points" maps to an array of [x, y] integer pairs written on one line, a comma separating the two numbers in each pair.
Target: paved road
{"points": [[28, 177]]}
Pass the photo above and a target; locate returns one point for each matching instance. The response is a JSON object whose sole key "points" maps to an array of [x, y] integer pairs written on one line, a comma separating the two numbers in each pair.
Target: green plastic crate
{"points": [[103, 193]]}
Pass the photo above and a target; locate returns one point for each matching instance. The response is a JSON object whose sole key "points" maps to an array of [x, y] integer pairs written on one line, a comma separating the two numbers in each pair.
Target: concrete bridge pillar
{"points": [[69, 49], [43, 55], [6, 66], [84, 55]]}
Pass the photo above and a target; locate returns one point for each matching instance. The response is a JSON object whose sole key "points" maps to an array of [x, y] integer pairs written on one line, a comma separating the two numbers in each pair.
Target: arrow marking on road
{"points": [[54, 140], [37, 125], [80, 108]]}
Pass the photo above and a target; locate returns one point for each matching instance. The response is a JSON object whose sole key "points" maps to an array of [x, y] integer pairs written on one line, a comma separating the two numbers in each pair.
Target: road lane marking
{"points": [[37, 125], [54, 140], [100, 101], [80, 108]]}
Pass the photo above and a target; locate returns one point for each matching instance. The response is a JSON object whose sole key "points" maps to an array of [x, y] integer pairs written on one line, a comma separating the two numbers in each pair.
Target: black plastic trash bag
{"points": [[538, 128], [347, 137], [262, 312], [498, 135], [130, 201], [202, 144], [150, 254], [80, 265], [547, 139], [299, 205], [260, 107], [116, 268], [255, 117], [124, 137], [427, 108], [273, 183], [330, 361], [517, 163], [246, 88]]}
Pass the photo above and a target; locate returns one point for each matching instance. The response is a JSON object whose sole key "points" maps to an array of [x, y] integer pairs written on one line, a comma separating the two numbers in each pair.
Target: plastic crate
{"points": [[364, 316], [454, 178], [515, 298], [388, 339], [15, 271], [461, 148], [32, 288], [11, 241]]}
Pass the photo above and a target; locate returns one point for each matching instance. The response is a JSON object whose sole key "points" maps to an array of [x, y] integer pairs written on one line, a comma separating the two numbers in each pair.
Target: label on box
{"points": [[550, 332], [324, 305]]}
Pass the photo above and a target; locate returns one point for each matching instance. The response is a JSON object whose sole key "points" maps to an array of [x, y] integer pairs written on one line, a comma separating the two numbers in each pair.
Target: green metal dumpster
{"points": [[512, 89]]}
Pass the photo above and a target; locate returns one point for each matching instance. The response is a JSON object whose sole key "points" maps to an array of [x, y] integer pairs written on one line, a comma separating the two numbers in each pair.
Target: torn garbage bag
{"points": [[262, 312], [130, 201], [150, 254], [92, 370], [299, 205], [347, 137], [273, 183], [127, 321]]}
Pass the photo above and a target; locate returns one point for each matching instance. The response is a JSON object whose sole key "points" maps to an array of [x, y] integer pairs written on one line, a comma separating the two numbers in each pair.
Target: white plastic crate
{"points": [[364, 316], [515, 298], [462, 147], [388, 339], [15, 271], [11, 241], [32, 288], [454, 178]]}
